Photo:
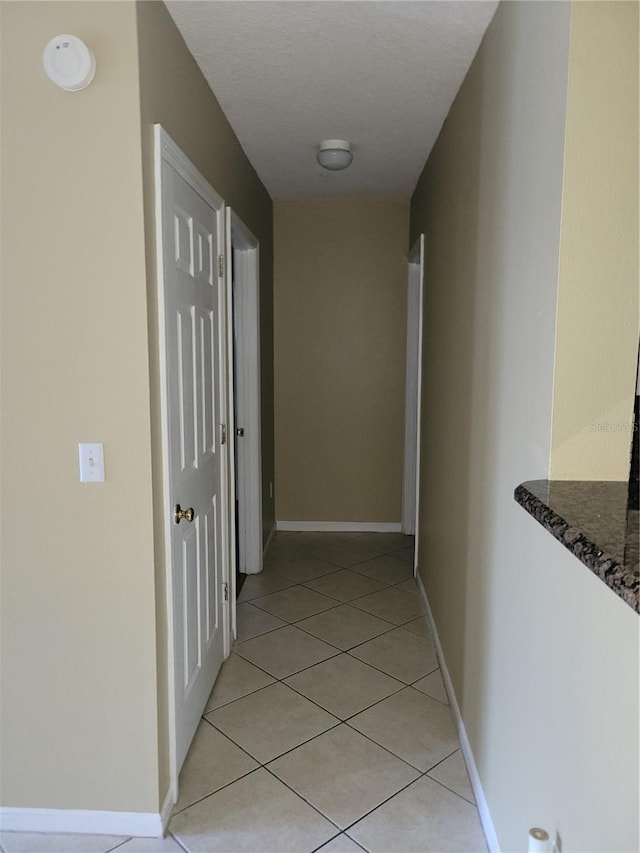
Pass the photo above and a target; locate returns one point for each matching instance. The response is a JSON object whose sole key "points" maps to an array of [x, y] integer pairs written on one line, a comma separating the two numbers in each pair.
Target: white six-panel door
{"points": [[195, 364]]}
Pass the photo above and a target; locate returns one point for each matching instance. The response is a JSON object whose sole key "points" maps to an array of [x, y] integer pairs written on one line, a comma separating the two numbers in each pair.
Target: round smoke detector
{"points": [[69, 63]]}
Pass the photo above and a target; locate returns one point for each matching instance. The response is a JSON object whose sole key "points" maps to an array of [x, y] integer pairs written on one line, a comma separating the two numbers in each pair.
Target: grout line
{"points": [[295, 672], [375, 808], [326, 844], [384, 672], [333, 713], [438, 763], [224, 734], [337, 723], [117, 846], [386, 748], [348, 649], [217, 790], [304, 800], [447, 788]]}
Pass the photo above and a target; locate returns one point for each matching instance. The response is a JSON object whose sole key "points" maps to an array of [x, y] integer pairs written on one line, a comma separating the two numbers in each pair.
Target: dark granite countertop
{"points": [[592, 520]]}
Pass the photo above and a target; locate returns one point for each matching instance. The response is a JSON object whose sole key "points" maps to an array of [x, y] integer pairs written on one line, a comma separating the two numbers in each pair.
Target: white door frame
{"points": [[243, 287], [413, 396], [165, 150]]}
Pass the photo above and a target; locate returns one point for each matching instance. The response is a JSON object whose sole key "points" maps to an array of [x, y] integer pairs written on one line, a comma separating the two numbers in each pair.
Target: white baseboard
{"points": [[144, 824], [474, 778], [167, 808], [340, 526]]}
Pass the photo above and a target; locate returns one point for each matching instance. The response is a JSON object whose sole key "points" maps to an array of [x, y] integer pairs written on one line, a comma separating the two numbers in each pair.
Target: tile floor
{"points": [[328, 728]]}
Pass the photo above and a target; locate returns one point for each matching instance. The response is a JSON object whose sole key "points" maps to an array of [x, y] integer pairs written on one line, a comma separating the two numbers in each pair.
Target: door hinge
{"points": [[223, 433], [221, 265], [225, 591]]}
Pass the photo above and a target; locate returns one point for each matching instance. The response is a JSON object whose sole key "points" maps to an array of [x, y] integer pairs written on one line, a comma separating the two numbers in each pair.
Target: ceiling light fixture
{"points": [[334, 154]]}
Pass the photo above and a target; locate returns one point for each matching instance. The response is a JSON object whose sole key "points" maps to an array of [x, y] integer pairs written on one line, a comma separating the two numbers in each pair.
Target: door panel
{"points": [[195, 333]]}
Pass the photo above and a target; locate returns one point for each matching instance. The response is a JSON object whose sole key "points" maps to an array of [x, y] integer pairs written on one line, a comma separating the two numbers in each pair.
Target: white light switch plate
{"points": [[91, 463]]}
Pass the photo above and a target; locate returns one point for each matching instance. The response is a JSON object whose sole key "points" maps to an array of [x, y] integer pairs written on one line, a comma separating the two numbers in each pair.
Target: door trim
{"points": [[413, 396], [246, 259], [166, 151]]}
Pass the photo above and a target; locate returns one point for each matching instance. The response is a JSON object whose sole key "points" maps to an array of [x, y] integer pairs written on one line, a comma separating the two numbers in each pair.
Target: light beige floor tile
{"points": [[298, 566], [341, 844], [345, 585], [409, 586], [400, 654], [346, 554], [261, 584], [344, 626], [385, 542], [237, 677], [342, 774], [391, 604], [433, 686], [413, 726], [386, 569], [212, 762], [150, 845], [312, 540], [256, 813], [252, 621], [452, 772], [424, 817], [417, 626], [271, 721], [405, 554], [294, 603], [285, 651], [37, 842], [343, 685]]}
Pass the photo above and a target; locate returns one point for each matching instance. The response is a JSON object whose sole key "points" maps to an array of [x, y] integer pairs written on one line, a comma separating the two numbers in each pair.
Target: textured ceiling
{"points": [[290, 73]]}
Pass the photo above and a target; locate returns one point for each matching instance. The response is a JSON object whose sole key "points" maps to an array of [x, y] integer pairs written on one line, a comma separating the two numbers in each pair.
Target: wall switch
{"points": [[91, 463], [270, 490]]}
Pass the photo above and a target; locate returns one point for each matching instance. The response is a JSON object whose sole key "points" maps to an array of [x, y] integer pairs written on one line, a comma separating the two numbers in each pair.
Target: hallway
{"points": [[328, 727], [330, 714]]}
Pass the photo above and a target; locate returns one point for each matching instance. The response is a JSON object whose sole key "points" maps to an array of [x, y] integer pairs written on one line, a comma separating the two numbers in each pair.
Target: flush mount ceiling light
{"points": [[334, 154]]}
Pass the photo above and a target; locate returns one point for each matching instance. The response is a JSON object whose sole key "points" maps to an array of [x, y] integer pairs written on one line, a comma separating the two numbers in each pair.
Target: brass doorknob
{"points": [[179, 514]]}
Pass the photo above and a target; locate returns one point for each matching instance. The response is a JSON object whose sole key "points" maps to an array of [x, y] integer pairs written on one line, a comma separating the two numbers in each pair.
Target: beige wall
{"points": [[532, 639], [340, 302], [597, 327], [174, 93], [84, 693], [78, 722]]}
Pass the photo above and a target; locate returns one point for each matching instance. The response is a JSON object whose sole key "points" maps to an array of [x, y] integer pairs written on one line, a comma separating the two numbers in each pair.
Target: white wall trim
{"points": [[245, 292], [413, 391], [167, 150], [144, 824], [481, 800], [341, 526]]}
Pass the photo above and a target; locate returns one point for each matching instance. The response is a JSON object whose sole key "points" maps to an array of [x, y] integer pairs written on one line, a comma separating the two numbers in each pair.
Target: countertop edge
{"points": [[603, 565]]}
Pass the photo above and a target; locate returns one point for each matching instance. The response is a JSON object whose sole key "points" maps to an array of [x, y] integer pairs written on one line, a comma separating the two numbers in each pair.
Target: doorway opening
{"points": [[413, 397], [243, 284]]}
